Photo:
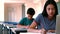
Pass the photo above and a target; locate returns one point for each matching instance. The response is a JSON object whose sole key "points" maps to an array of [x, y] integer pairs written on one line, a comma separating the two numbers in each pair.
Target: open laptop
{"points": [[58, 24]]}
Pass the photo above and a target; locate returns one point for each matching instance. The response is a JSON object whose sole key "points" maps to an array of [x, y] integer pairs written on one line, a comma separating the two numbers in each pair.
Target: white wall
{"points": [[1, 10]]}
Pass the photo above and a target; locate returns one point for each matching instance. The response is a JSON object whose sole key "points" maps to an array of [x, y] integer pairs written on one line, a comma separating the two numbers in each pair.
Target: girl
{"points": [[46, 21]]}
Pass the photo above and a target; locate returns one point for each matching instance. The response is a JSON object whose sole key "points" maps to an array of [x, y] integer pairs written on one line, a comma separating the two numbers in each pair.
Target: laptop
{"points": [[58, 24]]}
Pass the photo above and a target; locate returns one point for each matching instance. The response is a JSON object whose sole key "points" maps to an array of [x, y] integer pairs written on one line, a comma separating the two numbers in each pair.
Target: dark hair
{"points": [[31, 11], [44, 13]]}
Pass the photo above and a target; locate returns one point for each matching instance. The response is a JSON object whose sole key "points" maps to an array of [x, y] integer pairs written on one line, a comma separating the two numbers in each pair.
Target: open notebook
{"points": [[58, 24]]}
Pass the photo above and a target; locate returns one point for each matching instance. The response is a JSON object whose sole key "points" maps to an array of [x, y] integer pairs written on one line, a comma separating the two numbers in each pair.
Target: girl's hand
{"points": [[43, 31], [51, 31]]}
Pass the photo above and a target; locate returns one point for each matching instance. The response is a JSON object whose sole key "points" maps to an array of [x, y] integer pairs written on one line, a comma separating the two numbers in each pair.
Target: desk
{"points": [[5, 28], [13, 30], [36, 33]]}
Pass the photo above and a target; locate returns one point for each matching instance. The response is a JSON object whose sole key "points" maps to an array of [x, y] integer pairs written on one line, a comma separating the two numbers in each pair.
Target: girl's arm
{"points": [[33, 25]]}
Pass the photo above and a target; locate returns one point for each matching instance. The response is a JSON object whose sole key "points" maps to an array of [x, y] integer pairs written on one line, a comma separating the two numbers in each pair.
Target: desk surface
{"points": [[36, 33], [13, 30]]}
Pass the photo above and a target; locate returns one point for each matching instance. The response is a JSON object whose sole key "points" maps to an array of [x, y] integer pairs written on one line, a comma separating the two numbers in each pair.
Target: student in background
{"points": [[46, 21], [25, 22]]}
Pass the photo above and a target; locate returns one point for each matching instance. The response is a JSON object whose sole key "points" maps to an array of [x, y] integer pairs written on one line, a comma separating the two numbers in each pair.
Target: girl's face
{"points": [[50, 10]]}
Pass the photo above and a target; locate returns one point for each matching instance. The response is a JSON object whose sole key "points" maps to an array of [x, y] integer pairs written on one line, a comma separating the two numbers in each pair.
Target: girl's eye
{"points": [[48, 8]]}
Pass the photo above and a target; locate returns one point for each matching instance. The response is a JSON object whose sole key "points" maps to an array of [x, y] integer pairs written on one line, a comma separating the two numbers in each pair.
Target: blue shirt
{"points": [[44, 22]]}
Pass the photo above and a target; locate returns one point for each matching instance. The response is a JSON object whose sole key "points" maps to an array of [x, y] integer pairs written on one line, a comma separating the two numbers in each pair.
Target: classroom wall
{"points": [[37, 5], [15, 15], [12, 12]]}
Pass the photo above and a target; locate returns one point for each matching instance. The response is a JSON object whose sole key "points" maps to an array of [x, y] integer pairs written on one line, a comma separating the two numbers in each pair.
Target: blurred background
{"points": [[15, 10]]}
